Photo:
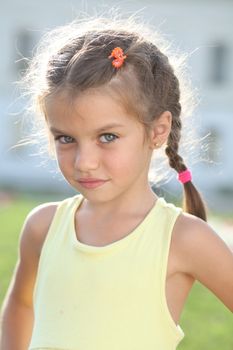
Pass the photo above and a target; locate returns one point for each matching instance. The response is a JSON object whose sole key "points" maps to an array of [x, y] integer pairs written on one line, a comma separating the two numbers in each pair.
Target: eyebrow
{"points": [[109, 126], [103, 128]]}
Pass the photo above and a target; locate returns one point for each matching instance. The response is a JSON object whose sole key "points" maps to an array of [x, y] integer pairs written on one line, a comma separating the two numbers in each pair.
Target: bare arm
{"points": [[17, 312], [205, 257], [17, 320]]}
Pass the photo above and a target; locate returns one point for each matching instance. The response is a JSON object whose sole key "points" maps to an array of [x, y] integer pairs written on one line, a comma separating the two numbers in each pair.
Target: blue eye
{"points": [[64, 139], [107, 138]]}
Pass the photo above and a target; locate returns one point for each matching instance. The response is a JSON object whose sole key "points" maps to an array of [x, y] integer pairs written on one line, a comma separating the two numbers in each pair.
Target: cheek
{"points": [[123, 161], [64, 159]]}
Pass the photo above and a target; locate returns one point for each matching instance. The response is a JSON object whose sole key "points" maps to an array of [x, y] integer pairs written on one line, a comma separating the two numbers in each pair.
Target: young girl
{"points": [[111, 267]]}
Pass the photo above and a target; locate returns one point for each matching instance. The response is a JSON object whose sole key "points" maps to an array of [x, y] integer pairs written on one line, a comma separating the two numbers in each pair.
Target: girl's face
{"points": [[100, 148]]}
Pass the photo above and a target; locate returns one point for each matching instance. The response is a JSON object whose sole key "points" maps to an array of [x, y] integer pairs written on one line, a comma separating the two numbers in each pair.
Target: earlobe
{"points": [[161, 129]]}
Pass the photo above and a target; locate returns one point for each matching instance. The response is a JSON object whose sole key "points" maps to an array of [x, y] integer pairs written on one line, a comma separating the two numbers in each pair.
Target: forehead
{"points": [[92, 107]]}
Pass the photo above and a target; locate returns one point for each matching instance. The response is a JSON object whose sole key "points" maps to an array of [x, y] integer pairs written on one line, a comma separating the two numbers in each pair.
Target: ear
{"points": [[160, 130]]}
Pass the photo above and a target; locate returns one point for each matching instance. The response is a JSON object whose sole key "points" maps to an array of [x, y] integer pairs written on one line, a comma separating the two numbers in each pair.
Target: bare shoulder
{"points": [[189, 230], [32, 237], [199, 252], [193, 234], [37, 224]]}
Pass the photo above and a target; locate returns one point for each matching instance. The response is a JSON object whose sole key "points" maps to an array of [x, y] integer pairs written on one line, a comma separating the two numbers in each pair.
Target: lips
{"points": [[91, 182]]}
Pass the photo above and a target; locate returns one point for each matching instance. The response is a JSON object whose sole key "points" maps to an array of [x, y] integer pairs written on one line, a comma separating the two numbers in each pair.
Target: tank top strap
{"points": [[163, 226], [62, 218], [57, 230], [168, 215]]}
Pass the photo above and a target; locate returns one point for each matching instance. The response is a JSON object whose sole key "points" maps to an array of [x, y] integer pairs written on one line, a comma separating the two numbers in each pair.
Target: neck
{"points": [[128, 204]]}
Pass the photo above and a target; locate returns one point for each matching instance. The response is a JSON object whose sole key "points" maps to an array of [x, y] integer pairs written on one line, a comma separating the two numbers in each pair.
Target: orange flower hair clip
{"points": [[119, 57]]}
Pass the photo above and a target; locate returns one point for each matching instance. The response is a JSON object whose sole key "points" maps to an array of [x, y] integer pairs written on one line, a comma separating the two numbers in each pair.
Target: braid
{"points": [[193, 202], [175, 160]]}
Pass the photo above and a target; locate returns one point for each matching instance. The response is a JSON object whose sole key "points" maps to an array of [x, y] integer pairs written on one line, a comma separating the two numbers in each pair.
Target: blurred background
{"points": [[201, 28]]}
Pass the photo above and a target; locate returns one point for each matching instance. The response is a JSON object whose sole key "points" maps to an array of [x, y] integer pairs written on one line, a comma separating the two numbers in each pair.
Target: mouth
{"points": [[91, 183]]}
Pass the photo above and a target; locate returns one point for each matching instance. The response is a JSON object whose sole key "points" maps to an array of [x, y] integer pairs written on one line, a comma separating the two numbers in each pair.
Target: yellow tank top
{"points": [[105, 298]]}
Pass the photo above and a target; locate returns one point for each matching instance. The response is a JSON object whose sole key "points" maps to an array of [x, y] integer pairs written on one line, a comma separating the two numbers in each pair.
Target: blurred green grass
{"points": [[206, 322]]}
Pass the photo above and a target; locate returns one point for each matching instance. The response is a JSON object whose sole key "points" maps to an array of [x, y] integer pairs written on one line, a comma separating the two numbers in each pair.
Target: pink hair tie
{"points": [[185, 176]]}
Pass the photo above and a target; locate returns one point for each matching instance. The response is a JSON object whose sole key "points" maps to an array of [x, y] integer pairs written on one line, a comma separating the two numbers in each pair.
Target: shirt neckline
{"points": [[116, 244]]}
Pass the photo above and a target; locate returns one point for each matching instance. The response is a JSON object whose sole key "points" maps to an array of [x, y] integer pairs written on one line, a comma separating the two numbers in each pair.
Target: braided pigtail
{"points": [[193, 202]]}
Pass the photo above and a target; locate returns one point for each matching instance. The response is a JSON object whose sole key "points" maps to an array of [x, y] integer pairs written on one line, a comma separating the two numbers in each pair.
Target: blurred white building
{"points": [[202, 27]]}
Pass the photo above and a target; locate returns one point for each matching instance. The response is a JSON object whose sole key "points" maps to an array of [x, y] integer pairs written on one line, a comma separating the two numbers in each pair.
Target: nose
{"points": [[86, 158]]}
